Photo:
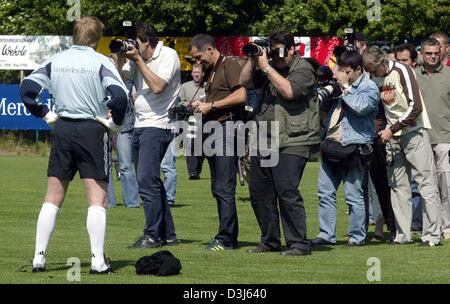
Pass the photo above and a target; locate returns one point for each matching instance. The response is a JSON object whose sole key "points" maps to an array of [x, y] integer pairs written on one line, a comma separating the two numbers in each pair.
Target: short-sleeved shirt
{"points": [[220, 85], [152, 109], [77, 78]]}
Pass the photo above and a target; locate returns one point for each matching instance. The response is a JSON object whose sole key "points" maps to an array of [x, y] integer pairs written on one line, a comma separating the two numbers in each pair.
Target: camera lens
{"points": [[252, 50]]}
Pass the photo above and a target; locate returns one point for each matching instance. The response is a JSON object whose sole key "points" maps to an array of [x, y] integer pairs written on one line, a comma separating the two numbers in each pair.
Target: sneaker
{"points": [[401, 243], [261, 248], [172, 242], [38, 268], [145, 241], [217, 245], [378, 237], [354, 244], [171, 203], [106, 271], [296, 252], [318, 241], [427, 244], [194, 177]]}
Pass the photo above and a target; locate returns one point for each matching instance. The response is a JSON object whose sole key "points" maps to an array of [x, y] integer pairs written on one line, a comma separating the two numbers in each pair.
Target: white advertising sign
{"points": [[28, 52]]}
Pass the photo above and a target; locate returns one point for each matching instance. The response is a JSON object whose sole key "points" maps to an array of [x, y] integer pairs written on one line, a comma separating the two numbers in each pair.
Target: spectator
{"points": [[434, 82], [123, 140], [445, 48], [191, 91], [407, 146], [407, 54]]}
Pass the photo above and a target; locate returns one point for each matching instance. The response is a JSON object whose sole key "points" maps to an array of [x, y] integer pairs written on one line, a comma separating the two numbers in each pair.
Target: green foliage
{"points": [[399, 18]]}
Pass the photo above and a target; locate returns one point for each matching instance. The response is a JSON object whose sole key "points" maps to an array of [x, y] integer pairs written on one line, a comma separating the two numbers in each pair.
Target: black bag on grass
{"points": [[161, 263]]}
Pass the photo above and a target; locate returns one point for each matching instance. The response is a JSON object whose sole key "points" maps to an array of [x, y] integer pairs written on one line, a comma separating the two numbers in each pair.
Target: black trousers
{"points": [[274, 192], [194, 165], [378, 174]]}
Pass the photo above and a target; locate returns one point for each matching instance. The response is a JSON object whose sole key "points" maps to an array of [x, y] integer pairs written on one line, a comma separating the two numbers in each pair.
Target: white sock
{"points": [[96, 227], [45, 225]]}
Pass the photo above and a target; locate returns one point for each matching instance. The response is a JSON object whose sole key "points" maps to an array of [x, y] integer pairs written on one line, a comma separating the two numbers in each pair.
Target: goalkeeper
{"points": [[86, 86]]}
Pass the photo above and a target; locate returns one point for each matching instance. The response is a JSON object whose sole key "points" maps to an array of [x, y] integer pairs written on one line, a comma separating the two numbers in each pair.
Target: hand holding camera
{"points": [[342, 78]]}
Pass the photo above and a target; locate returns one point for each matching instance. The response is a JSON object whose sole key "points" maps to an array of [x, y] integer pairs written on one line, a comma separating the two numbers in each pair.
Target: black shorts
{"points": [[79, 145]]}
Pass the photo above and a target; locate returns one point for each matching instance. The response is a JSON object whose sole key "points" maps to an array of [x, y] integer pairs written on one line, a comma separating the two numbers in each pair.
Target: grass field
{"points": [[22, 187]]}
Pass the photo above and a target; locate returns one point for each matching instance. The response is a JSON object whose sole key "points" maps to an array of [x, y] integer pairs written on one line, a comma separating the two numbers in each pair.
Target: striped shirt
{"points": [[402, 99]]}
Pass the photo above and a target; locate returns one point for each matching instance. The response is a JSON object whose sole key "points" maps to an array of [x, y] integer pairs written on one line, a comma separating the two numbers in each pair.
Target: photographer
{"points": [[347, 133], [224, 103], [288, 98], [155, 71]]}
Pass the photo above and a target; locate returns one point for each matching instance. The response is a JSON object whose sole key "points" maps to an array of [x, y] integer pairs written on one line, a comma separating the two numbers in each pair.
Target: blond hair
{"points": [[88, 31]]}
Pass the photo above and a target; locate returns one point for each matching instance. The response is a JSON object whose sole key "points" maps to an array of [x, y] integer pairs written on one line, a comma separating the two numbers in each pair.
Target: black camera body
{"points": [[181, 112], [256, 47], [328, 87]]}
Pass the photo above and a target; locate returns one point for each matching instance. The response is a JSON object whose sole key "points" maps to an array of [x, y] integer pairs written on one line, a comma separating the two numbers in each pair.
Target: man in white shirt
{"points": [[155, 70]]}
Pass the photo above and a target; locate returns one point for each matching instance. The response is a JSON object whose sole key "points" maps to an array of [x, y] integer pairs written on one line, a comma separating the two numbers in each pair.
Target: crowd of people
{"points": [[385, 119]]}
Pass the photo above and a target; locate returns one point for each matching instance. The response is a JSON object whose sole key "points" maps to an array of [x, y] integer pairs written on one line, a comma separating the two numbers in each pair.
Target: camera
{"points": [[181, 112], [328, 86], [124, 45], [121, 46], [256, 47]]}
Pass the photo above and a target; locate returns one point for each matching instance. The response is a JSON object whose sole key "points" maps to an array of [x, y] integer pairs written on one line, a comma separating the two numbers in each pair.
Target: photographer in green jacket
{"points": [[288, 116]]}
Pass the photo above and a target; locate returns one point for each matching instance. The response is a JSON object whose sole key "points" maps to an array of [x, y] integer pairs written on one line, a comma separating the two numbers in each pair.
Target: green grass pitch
{"points": [[22, 189]]}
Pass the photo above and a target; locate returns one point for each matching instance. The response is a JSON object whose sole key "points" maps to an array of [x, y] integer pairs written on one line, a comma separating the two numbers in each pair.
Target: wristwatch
{"points": [[213, 106]]}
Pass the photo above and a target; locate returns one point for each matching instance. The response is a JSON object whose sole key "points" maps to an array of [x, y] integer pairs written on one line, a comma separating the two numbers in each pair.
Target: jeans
{"points": [[127, 176], [223, 185], [355, 188], [149, 147], [111, 193], [169, 169]]}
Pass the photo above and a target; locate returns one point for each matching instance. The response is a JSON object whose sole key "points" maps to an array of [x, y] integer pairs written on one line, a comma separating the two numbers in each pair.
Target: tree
{"points": [[399, 18]]}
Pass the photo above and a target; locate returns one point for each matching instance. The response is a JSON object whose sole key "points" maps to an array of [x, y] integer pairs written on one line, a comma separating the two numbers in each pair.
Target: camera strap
{"points": [[219, 62], [193, 96]]}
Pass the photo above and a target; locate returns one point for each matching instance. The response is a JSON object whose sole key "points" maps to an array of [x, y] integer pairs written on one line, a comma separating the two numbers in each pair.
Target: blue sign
{"points": [[13, 113]]}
